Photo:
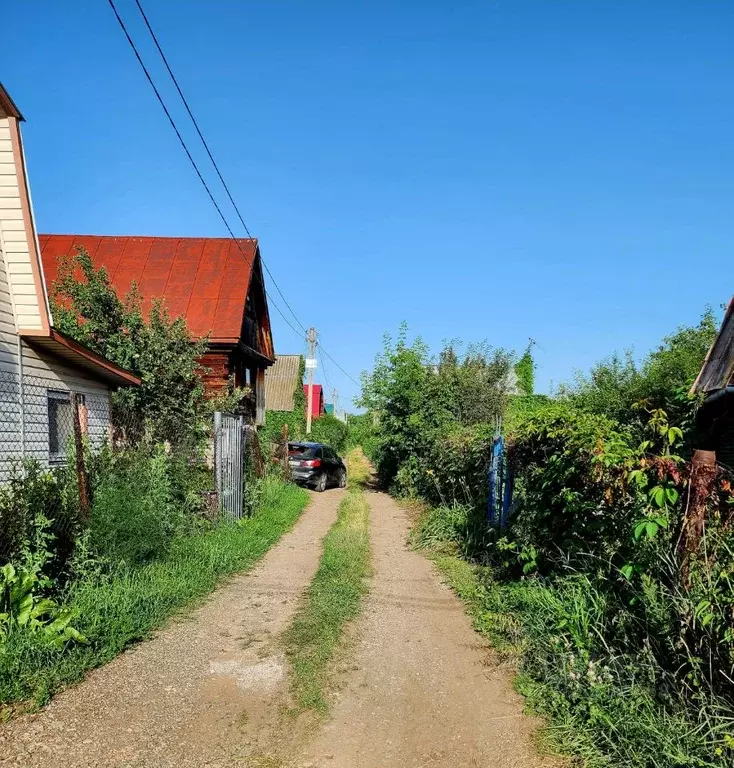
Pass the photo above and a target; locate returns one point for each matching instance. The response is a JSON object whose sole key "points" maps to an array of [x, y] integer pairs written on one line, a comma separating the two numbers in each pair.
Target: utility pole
{"points": [[335, 398], [310, 364]]}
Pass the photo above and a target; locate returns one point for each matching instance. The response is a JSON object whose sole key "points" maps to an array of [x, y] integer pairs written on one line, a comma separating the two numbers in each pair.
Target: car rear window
{"points": [[301, 451]]}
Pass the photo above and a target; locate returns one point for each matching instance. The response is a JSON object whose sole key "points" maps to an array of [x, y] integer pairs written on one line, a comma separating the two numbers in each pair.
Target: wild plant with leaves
{"points": [[434, 417], [612, 583]]}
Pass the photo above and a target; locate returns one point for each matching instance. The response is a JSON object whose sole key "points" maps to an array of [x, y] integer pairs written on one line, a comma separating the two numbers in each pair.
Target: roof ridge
{"points": [[148, 237]]}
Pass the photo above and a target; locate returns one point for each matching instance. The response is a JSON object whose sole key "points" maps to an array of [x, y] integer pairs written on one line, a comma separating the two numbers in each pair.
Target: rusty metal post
{"points": [[80, 420], [701, 486]]}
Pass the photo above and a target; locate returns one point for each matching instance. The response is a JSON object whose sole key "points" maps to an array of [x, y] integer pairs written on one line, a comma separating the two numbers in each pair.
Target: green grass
{"points": [[333, 598], [124, 607], [359, 472]]}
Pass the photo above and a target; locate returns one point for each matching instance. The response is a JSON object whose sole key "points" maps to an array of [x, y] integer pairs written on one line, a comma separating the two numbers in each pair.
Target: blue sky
{"points": [[482, 170]]}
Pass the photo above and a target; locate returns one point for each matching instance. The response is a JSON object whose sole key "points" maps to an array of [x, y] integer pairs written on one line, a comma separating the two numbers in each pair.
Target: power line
{"points": [[190, 157], [323, 367], [211, 157], [349, 376], [216, 167]]}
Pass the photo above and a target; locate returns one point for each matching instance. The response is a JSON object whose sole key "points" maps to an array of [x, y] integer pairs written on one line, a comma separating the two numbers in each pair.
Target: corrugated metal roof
{"points": [[281, 382], [205, 279], [718, 367]]}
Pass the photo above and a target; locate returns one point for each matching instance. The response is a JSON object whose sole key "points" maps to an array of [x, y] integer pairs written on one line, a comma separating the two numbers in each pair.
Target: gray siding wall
{"points": [[9, 391], [41, 374]]}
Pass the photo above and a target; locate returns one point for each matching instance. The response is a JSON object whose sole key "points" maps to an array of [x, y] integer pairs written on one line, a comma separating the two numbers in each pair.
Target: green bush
{"points": [[426, 409], [362, 433], [134, 517], [330, 430], [571, 496], [615, 385], [37, 496]]}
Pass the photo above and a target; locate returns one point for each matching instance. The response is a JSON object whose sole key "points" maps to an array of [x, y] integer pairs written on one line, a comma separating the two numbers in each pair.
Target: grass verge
{"points": [[604, 709], [124, 607], [333, 598], [359, 471]]}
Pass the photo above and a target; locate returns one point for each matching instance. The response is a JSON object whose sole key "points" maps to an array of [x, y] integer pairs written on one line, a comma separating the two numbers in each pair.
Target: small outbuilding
{"points": [[715, 418]]}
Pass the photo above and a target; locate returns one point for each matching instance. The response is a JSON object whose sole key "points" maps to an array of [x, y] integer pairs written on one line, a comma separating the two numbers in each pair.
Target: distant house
{"points": [[43, 373], [282, 381], [317, 404], [715, 418], [215, 284]]}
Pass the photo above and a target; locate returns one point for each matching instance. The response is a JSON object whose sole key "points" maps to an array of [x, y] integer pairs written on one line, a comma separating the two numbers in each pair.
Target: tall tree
{"points": [[159, 350]]}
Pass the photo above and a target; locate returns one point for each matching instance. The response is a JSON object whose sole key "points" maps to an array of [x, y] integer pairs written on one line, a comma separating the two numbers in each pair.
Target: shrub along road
{"points": [[212, 688]]}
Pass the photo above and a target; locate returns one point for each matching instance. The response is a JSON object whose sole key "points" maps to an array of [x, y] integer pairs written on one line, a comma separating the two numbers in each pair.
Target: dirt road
{"points": [[210, 689], [196, 694], [423, 694]]}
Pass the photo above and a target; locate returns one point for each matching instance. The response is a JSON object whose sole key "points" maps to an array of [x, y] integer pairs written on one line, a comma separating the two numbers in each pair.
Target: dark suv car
{"points": [[316, 465]]}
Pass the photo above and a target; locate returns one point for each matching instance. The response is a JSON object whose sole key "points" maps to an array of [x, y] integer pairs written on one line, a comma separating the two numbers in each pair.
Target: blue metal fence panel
{"points": [[495, 482], [501, 485]]}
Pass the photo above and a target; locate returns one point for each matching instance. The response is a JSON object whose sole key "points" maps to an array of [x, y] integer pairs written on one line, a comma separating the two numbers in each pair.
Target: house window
{"points": [[60, 424]]}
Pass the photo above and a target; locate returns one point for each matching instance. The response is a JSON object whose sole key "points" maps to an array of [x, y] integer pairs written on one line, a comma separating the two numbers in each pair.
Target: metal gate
{"points": [[229, 459]]}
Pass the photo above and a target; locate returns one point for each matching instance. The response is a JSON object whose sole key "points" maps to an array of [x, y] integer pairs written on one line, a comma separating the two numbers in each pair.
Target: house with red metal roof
{"points": [[47, 380], [214, 284]]}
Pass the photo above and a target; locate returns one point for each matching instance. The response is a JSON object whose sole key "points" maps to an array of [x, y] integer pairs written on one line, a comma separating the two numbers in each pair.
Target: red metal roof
{"points": [[205, 279]]}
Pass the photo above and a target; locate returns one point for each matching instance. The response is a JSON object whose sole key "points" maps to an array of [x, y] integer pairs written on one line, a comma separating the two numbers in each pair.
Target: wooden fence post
{"points": [[80, 423], [257, 454]]}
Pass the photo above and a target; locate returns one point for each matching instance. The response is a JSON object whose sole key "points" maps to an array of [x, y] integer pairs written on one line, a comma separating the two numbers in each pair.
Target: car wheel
{"points": [[343, 478], [321, 484]]}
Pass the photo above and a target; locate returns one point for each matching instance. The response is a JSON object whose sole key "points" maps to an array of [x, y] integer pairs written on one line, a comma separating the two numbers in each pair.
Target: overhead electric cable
{"points": [[216, 168], [211, 157], [190, 157]]}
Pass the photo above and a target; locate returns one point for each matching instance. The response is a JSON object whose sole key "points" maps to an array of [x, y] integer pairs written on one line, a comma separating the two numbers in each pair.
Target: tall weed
{"points": [[133, 516], [116, 609]]}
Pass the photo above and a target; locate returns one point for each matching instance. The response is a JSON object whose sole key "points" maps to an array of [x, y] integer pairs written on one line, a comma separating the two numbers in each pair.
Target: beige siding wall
{"points": [[15, 239], [8, 336]]}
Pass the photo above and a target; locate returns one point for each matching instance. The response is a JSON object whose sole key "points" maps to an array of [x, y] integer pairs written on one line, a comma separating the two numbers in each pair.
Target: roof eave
{"points": [[71, 351], [699, 384], [8, 105]]}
